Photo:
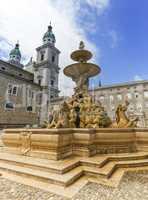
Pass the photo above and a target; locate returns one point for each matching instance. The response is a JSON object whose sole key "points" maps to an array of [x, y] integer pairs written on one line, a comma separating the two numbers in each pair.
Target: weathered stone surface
{"points": [[57, 144]]}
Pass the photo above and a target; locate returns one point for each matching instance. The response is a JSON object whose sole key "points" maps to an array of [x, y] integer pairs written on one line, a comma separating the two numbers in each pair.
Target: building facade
{"points": [[135, 92], [26, 91]]}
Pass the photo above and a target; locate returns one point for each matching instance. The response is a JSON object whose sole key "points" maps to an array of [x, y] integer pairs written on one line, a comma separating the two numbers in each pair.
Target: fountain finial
{"points": [[82, 45]]}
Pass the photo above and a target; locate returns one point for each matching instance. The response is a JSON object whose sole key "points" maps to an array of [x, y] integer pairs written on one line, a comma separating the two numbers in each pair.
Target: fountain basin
{"points": [[56, 144], [77, 69]]}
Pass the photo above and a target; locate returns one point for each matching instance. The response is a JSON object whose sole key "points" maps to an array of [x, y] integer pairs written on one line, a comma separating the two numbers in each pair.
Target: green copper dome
{"points": [[49, 36], [15, 52]]}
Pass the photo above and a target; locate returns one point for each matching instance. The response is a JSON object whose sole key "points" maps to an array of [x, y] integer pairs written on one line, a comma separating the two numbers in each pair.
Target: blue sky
{"points": [[127, 59], [116, 31]]}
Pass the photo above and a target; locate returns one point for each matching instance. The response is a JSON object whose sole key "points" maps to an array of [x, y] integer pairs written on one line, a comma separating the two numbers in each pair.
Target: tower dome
{"points": [[49, 37], [15, 56]]}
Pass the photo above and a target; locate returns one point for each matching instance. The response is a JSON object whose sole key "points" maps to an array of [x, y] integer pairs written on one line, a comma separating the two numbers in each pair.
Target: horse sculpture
{"points": [[122, 121]]}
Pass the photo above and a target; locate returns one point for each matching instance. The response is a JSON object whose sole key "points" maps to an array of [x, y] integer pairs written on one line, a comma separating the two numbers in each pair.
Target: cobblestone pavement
{"points": [[10, 190], [134, 186]]}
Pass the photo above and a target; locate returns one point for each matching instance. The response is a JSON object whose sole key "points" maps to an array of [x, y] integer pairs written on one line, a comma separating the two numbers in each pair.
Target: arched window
{"points": [[52, 82], [42, 56], [53, 59], [29, 108]]}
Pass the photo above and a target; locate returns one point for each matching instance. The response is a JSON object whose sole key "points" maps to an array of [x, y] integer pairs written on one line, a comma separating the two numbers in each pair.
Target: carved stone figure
{"points": [[122, 120], [25, 142], [82, 45], [62, 119], [81, 82], [80, 110], [54, 121]]}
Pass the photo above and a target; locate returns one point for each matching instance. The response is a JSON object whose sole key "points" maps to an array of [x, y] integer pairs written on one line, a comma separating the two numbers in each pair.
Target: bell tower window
{"points": [[39, 81], [42, 57], [52, 82], [53, 59]]}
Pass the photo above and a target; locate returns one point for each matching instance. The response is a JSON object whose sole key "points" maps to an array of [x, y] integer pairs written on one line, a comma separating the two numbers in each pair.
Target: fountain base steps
{"points": [[66, 177]]}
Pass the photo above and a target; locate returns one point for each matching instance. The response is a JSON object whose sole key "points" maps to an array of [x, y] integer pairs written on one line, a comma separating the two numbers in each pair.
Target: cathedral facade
{"points": [[26, 91]]}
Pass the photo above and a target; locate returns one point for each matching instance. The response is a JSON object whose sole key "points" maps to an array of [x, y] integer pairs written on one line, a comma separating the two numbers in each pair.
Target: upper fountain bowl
{"points": [[81, 55]]}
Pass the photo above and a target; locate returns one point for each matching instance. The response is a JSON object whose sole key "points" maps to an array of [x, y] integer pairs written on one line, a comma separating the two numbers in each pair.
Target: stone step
{"points": [[68, 171], [124, 157], [110, 168], [58, 167], [57, 179]]}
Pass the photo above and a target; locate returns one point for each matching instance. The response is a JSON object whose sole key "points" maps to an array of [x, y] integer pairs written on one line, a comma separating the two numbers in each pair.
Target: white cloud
{"points": [[100, 5], [27, 21], [138, 78], [114, 38]]}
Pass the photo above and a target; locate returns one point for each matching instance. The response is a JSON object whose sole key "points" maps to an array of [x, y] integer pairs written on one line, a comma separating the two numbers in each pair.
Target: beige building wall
{"points": [[23, 96], [135, 92]]}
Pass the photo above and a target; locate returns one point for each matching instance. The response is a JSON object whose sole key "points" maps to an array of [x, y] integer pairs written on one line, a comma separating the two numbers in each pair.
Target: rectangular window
{"points": [[14, 92], [32, 95], [10, 89], [146, 94], [119, 96], [39, 81], [53, 59], [39, 98], [129, 95], [146, 104], [101, 98], [111, 98]]}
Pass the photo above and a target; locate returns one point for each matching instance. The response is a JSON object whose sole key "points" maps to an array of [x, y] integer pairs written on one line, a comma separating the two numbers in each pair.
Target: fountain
{"points": [[81, 110], [80, 127], [79, 130]]}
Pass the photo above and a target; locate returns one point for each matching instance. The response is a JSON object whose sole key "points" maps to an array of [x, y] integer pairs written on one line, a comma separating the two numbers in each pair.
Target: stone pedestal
{"points": [[57, 144], [43, 143]]}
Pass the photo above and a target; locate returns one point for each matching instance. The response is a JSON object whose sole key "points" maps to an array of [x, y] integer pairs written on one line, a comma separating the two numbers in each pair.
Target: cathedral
{"points": [[29, 93], [26, 91]]}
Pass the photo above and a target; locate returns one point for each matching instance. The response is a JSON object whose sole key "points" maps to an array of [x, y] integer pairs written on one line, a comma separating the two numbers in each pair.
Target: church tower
{"points": [[15, 56], [46, 70]]}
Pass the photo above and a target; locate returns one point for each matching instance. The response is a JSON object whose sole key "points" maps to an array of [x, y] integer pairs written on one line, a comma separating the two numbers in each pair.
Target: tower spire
{"points": [[15, 55], [49, 36]]}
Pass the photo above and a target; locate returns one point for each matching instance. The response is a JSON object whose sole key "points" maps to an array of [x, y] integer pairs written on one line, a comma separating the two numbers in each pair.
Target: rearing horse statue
{"points": [[122, 120]]}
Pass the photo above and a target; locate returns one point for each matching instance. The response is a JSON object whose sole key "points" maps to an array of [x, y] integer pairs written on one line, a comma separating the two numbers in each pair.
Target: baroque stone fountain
{"points": [[80, 127], [79, 130], [81, 110]]}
